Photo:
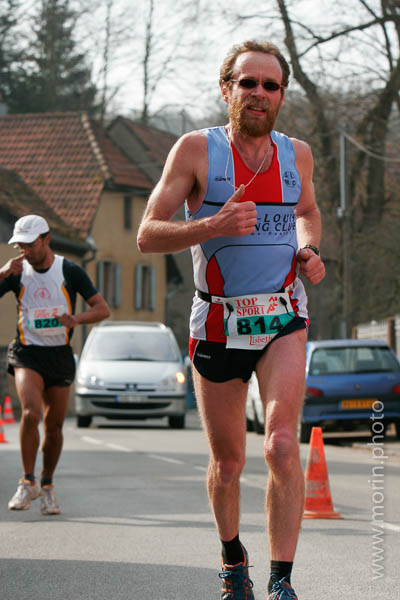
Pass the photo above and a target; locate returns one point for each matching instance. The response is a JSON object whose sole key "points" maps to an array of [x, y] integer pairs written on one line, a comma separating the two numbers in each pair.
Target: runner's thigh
{"points": [[222, 409], [281, 378]]}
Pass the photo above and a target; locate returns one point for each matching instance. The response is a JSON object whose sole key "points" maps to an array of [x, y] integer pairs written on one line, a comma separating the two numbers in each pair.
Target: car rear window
{"points": [[351, 359], [131, 345]]}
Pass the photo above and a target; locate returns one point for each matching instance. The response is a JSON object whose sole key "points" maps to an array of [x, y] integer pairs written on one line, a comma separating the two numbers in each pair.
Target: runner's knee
{"points": [[228, 470], [52, 429], [30, 416], [281, 450]]}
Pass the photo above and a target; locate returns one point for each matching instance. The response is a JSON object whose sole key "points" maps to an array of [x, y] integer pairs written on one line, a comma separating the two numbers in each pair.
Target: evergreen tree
{"points": [[8, 51], [58, 78]]}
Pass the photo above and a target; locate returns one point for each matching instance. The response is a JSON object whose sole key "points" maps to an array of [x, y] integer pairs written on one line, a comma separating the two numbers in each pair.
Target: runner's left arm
{"points": [[308, 217], [79, 281]]}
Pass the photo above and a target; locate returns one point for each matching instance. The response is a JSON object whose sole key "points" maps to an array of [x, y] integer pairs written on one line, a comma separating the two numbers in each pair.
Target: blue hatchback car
{"points": [[348, 383]]}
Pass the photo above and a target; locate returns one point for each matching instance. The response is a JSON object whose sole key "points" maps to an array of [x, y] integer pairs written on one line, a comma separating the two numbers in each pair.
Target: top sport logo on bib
{"points": [[251, 322]]}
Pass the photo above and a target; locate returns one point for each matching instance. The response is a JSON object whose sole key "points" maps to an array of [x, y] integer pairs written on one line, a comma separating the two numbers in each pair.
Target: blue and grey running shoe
{"points": [[281, 590], [236, 583]]}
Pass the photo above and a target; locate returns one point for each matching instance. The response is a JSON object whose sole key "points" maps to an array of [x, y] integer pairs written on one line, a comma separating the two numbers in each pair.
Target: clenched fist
{"points": [[236, 218]]}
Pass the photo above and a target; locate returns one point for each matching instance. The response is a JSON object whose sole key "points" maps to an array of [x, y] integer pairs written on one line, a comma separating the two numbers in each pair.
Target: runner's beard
{"points": [[242, 122]]}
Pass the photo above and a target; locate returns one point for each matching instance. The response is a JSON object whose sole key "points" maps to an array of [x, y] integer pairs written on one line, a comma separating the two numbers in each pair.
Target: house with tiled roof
{"points": [[94, 188], [148, 148]]}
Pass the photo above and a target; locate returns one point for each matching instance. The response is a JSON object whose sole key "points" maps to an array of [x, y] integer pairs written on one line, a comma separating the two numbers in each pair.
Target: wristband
{"points": [[313, 248]]}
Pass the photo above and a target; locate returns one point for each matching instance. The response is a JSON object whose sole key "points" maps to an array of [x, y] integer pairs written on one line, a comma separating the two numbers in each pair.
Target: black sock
{"points": [[232, 552], [29, 477], [45, 481], [279, 569]]}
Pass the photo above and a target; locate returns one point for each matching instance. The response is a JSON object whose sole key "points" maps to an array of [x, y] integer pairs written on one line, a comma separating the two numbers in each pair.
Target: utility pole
{"points": [[344, 214]]}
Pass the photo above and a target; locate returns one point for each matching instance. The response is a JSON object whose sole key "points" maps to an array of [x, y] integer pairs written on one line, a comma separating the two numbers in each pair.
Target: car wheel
{"points": [[257, 426], [305, 432], [83, 421], [177, 422]]}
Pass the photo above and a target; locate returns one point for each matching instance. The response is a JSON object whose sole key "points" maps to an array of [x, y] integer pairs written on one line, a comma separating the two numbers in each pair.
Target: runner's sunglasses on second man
{"points": [[248, 83]]}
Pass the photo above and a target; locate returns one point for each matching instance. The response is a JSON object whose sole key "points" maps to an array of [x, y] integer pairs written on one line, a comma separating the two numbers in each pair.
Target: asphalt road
{"points": [[135, 522]]}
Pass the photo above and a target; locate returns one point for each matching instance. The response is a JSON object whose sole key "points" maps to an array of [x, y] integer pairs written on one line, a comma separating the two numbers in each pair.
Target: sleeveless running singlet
{"points": [[262, 262]]}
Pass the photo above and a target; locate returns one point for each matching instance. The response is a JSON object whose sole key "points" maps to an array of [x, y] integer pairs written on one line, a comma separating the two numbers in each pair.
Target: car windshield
{"points": [[352, 359], [131, 345]]}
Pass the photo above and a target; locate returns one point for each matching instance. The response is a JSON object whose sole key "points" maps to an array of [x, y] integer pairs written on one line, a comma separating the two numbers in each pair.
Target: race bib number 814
{"points": [[251, 322]]}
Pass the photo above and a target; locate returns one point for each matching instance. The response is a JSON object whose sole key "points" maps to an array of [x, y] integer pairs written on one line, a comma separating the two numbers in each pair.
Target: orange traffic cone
{"points": [[8, 411], [2, 436], [318, 503]]}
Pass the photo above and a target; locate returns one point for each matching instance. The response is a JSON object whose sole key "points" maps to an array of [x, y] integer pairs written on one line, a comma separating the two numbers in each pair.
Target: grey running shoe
{"points": [[281, 590], [236, 582], [26, 492], [48, 501]]}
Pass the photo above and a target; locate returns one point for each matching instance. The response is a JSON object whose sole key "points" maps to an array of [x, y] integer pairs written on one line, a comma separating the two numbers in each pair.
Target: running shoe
{"points": [[48, 501], [281, 590], [236, 583], [26, 492]]}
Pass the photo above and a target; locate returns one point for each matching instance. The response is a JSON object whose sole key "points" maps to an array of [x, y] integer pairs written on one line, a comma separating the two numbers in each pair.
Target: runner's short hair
{"points": [[227, 67]]}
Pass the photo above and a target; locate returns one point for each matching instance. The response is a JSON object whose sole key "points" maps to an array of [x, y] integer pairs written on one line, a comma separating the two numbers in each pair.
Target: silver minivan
{"points": [[130, 370]]}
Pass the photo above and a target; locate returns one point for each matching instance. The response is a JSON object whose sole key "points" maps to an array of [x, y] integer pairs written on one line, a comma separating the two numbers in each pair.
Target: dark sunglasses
{"points": [[248, 84]]}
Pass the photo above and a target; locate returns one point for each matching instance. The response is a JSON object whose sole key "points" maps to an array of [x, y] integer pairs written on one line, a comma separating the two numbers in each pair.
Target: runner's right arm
{"points": [[184, 177]]}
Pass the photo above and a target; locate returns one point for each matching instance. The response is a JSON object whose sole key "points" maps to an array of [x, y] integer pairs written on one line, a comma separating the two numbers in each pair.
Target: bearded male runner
{"points": [[252, 223], [40, 357]]}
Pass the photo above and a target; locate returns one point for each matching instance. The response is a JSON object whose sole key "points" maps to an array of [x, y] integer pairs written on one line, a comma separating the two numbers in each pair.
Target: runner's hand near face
{"points": [[12, 267]]}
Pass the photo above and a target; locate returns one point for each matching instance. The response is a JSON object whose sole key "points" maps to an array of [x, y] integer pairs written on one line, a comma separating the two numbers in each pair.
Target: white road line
{"points": [[392, 527], [164, 458], [118, 447], [91, 440], [199, 468]]}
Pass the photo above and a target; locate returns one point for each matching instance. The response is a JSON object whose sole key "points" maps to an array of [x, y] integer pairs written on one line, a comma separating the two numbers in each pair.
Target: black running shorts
{"points": [[55, 364], [217, 363]]}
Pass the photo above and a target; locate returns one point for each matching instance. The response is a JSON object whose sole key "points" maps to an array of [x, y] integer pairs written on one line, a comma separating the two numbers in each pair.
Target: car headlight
{"points": [[91, 381], [173, 383]]}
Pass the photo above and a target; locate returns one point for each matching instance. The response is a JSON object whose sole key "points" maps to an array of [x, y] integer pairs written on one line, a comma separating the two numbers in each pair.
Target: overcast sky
{"points": [[202, 42]]}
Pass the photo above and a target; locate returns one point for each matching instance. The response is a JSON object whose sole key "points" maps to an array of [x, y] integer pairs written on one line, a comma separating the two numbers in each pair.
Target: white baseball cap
{"points": [[27, 229]]}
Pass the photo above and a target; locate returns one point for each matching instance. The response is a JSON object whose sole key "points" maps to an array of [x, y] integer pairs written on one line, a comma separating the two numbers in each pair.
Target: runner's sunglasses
{"points": [[248, 83]]}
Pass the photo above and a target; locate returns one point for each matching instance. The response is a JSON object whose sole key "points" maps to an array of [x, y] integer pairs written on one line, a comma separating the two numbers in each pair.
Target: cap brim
{"points": [[23, 238]]}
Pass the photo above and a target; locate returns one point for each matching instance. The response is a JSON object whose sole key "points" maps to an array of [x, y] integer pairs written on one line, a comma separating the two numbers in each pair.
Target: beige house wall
{"points": [[115, 243]]}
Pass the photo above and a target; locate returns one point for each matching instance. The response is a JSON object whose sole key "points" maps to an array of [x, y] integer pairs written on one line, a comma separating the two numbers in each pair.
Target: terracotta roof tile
{"points": [[61, 158], [123, 171], [157, 142], [18, 199]]}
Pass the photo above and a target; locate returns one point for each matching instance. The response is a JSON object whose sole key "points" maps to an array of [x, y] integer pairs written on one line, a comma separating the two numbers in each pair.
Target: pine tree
{"points": [[8, 50], [58, 78]]}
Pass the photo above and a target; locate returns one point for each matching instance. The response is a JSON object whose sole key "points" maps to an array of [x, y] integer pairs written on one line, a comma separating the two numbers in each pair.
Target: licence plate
{"points": [[358, 403], [130, 399]]}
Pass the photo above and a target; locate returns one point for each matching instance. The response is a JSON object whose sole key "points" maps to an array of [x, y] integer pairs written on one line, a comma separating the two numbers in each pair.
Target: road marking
{"points": [[164, 458], [118, 447], [391, 527], [91, 440], [199, 468]]}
